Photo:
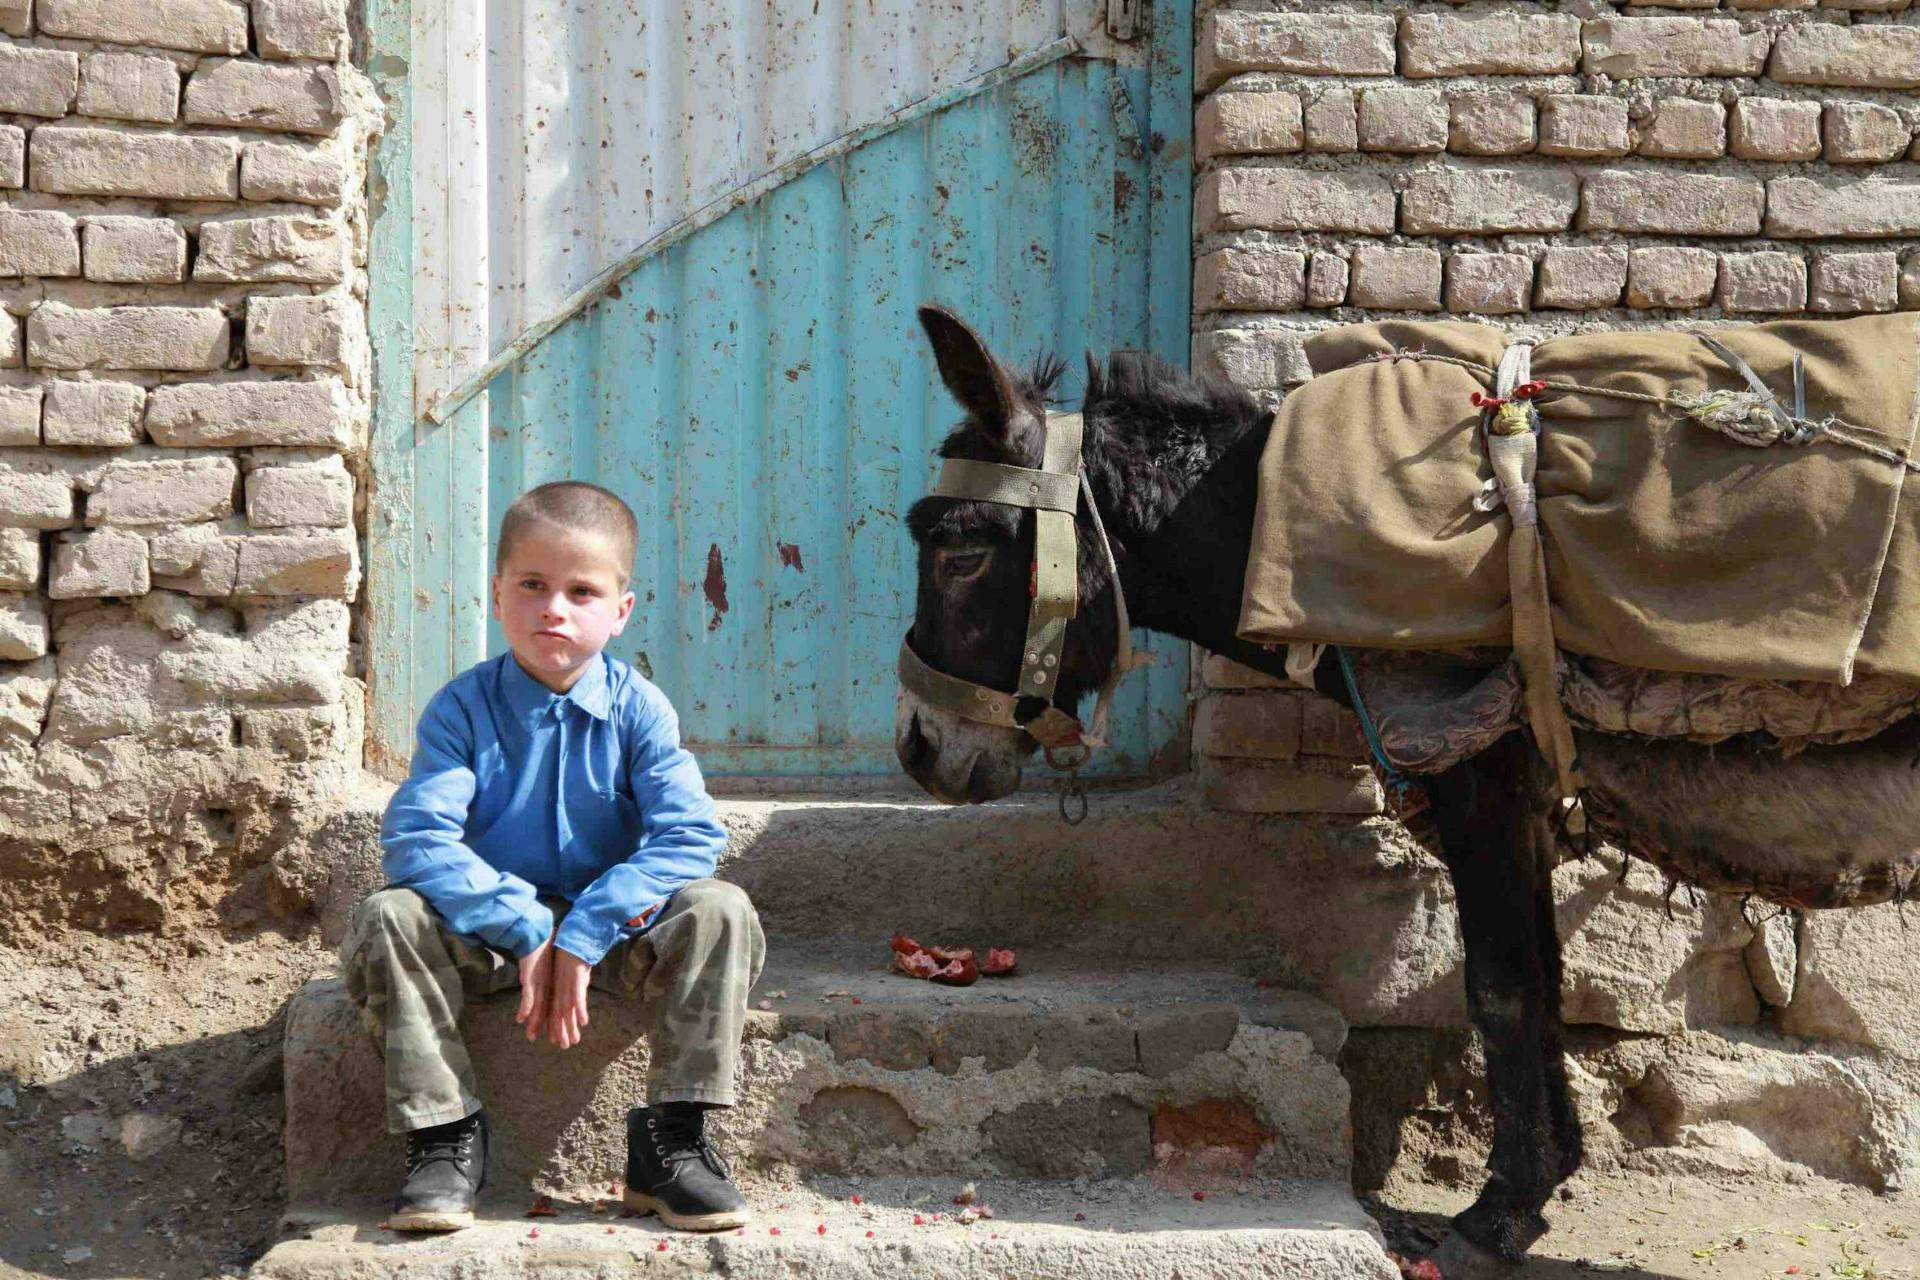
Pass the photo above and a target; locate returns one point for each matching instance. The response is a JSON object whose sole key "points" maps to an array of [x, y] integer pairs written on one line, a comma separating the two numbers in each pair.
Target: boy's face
{"points": [[559, 600]]}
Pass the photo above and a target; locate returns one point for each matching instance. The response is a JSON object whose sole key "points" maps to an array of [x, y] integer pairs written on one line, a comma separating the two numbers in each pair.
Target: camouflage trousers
{"points": [[411, 977]]}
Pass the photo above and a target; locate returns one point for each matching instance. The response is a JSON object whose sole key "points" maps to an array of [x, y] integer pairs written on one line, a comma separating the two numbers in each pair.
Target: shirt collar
{"points": [[592, 692]]}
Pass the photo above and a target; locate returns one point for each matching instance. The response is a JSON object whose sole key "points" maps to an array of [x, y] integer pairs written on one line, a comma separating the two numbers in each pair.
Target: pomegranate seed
{"points": [[1199, 1195], [856, 999], [534, 1234], [822, 1228], [773, 1231], [786, 1186], [609, 1230], [869, 1235], [856, 1200], [1079, 1217], [661, 1247], [919, 1221]]}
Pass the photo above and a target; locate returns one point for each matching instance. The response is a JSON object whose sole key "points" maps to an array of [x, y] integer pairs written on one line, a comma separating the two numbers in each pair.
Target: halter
{"points": [[1052, 493]]}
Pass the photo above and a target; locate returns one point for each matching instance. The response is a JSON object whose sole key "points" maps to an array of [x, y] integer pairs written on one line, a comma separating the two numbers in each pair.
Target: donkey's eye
{"points": [[961, 563]]}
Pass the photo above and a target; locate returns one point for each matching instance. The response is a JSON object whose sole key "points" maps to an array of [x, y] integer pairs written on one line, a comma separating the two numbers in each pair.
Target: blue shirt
{"points": [[518, 792]]}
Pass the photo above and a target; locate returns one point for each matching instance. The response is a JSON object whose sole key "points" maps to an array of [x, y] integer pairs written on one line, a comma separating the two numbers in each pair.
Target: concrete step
{"points": [[1138, 1229], [1063, 1071], [1153, 873]]}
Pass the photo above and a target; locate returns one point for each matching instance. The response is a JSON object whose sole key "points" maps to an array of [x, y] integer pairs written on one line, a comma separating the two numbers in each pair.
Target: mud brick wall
{"points": [[1544, 167], [183, 417]]}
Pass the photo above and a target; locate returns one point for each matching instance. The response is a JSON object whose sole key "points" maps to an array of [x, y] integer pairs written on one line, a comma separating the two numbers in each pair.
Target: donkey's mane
{"points": [[1155, 430], [1145, 389]]}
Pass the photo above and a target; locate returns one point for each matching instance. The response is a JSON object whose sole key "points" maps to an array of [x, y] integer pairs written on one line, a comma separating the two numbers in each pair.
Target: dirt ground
{"points": [[1644, 1227], [140, 1105], [140, 1117]]}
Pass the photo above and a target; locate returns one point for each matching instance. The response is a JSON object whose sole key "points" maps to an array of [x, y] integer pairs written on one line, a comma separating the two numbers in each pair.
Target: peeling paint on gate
{"points": [[761, 386], [714, 588]]}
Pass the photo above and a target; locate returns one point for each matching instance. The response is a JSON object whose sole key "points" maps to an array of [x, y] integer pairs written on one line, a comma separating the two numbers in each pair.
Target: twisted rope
{"points": [[1727, 412]]}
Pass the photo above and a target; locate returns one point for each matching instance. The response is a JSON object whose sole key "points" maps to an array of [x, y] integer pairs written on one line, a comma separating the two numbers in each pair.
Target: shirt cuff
{"points": [[528, 932], [588, 939]]}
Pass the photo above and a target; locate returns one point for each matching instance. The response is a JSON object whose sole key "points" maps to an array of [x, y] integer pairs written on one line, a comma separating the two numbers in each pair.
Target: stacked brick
{"points": [[183, 372], [1540, 166]]}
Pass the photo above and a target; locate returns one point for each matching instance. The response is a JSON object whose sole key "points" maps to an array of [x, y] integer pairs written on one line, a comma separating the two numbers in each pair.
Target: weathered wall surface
{"points": [[1551, 167], [183, 386]]}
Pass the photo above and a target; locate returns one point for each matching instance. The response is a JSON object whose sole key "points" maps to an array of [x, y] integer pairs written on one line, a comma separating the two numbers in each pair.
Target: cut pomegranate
{"points": [[950, 966], [999, 962], [957, 973], [915, 964]]}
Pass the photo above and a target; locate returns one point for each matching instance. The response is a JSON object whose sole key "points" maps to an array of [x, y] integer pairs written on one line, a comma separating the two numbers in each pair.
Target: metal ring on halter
{"points": [[1064, 759]]}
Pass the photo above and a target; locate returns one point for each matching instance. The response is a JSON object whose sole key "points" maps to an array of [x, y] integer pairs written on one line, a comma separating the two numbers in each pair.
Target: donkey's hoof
{"points": [[1460, 1259]]}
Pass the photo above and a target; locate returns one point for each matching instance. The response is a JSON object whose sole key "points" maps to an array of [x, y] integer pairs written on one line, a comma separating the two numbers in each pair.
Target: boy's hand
{"points": [[536, 981], [567, 1005]]}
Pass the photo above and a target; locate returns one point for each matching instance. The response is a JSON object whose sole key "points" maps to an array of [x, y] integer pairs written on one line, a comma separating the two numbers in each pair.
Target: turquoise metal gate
{"points": [[754, 384]]}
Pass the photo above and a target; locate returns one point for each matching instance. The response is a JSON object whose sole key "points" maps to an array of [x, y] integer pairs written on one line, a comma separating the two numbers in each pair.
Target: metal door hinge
{"points": [[1124, 18]]}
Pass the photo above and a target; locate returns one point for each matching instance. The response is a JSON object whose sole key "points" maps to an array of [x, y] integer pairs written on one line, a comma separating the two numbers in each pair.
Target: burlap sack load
{"points": [[1675, 538]]}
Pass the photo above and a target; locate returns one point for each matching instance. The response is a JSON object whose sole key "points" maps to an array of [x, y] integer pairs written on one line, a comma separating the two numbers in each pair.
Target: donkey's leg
{"points": [[1499, 852]]}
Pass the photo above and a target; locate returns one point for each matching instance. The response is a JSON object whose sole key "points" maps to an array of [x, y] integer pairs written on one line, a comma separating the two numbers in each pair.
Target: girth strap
{"points": [[1513, 447]]}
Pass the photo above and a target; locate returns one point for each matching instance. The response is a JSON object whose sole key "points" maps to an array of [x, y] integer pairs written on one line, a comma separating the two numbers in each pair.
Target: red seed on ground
{"points": [[786, 1186], [856, 999], [856, 1200], [1079, 1217], [919, 1221], [534, 1234], [1199, 1195], [869, 1235], [822, 1228], [661, 1247], [773, 1231]]}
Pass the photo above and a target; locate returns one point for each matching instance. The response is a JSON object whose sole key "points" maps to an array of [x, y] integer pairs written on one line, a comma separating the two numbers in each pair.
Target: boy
{"points": [[553, 835]]}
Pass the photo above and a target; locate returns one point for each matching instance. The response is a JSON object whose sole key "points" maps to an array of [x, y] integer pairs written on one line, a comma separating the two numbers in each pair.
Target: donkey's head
{"points": [[976, 582]]}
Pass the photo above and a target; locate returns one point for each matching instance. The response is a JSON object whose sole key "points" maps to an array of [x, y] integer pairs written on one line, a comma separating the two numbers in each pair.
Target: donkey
{"points": [[1170, 463]]}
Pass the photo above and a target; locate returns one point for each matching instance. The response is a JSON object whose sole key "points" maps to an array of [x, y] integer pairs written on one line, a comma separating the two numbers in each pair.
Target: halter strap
{"points": [[1053, 492]]}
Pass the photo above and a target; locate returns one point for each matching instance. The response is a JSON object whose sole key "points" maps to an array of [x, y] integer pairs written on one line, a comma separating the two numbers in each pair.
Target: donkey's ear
{"points": [[971, 373]]}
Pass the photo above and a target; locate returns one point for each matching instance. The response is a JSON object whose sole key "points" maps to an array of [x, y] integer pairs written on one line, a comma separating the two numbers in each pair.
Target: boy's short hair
{"points": [[576, 507]]}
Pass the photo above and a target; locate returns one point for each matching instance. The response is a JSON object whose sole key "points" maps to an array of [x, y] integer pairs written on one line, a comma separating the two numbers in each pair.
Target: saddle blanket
{"points": [[1691, 522]]}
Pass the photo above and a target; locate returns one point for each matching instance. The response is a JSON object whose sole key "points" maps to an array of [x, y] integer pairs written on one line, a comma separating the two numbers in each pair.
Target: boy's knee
{"points": [[717, 900], [394, 912]]}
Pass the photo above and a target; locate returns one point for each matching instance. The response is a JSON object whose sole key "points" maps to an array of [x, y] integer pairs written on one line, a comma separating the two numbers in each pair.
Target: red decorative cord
{"points": [[1525, 391]]}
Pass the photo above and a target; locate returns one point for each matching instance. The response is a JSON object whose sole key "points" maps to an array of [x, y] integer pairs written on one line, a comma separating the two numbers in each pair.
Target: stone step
{"points": [[1152, 873], [1062, 1071], [1137, 1229]]}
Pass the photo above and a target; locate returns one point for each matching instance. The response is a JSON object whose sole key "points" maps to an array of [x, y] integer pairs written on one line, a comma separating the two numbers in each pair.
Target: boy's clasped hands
{"points": [[553, 994]]}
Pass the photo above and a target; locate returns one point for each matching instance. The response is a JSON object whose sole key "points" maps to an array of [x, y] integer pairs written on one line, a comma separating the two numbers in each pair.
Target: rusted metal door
{"points": [[679, 255]]}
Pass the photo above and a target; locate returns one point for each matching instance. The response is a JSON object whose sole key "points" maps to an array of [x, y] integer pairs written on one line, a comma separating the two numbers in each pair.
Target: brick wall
{"points": [[1544, 167], [183, 385]]}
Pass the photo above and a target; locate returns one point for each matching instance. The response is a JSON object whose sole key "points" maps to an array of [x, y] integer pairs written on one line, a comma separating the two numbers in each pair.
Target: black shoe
{"points": [[672, 1170], [446, 1167]]}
